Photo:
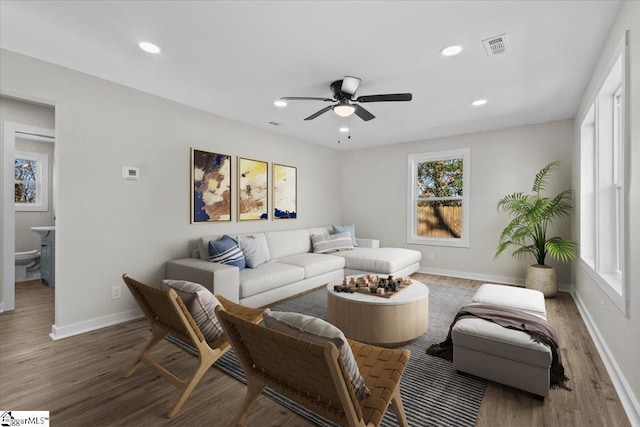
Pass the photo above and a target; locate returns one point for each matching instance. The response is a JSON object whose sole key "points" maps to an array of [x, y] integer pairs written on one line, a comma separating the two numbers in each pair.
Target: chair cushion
{"points": [[201, 304], [314, 264], [226, 251], [324, 244], [346, 228], [254, 254], [318, 331], [269, 276], [379, 260]]}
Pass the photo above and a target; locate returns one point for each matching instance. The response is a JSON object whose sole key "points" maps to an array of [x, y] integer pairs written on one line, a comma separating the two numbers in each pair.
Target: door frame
{"points": [[13, 130]]}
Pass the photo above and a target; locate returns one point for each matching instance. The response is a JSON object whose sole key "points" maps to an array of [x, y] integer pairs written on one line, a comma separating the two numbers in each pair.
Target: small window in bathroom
{"points": [[31, 187]]}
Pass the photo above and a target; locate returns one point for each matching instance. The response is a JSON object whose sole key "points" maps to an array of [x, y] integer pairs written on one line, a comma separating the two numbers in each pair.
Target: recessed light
{"points": [[149, 47], [451, 50], [280, 103], [479, 102], [344, 129]]}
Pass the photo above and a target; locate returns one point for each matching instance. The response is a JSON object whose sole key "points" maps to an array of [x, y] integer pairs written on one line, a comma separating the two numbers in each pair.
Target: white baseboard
{"points": [[490, 278], [1, 307], [59, 332], [629, 401]]}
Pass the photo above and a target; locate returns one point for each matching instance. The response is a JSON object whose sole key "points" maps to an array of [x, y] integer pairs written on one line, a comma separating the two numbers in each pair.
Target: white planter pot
{"points": [[542, 278]]}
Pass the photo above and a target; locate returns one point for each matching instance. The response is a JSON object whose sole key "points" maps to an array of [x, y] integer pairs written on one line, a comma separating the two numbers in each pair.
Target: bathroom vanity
{"points": [[47, 254]]}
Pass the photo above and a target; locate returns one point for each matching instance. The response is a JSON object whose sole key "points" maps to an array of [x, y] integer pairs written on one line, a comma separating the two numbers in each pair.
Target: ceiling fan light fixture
{"points": [[479, 102], [344, 110], [280, 103], [344, 129]]}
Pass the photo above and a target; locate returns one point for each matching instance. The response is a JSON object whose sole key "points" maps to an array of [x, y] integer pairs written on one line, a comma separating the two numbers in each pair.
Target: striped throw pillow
{"points": [[201, 304], [226, 251], [327, 243], [318, 331]]}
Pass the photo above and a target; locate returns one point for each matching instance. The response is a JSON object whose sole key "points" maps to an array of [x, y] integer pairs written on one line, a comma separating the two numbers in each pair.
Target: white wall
{"points": [[106, 225], [620, 334], [374, 195]]}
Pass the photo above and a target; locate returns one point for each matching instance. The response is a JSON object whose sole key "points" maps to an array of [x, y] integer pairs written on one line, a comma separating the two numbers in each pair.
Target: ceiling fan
{"points": [[344, 92]]}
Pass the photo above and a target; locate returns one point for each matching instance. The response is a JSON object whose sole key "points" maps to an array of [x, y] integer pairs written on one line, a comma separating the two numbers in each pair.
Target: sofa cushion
{"points": [[255, 255], [318, 331], [288, 242], [379, 260], [314, 264], [491, 338], [324, 244], [226, 251], [201, 304], [269, 276], [351, 229]]}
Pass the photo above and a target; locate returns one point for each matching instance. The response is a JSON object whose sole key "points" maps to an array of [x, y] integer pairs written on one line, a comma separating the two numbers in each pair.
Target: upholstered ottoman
{"points": [[506, 356]]}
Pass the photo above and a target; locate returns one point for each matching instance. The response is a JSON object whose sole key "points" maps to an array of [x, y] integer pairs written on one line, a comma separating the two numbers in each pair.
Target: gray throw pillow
{"points": [[254, 253], [201, 303], [318, 331]]}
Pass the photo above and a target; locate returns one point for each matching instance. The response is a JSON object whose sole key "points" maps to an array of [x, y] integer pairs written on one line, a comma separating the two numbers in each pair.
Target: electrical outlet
{"points": [[116, 292], [430, 256]]}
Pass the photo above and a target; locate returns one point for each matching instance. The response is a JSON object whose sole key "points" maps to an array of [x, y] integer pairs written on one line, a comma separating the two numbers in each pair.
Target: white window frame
{"points": [[605, 182], [42, 182], [412, 197]]}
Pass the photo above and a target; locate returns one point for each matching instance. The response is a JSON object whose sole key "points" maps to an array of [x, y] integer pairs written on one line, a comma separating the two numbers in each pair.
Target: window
{"points": [[604, 178], [438, 199], [31, 175]]}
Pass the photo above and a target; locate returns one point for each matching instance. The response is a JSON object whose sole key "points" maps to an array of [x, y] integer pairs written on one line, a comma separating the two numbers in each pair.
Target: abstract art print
{"points": [[210, 187], [285, 190], [253, 190]]}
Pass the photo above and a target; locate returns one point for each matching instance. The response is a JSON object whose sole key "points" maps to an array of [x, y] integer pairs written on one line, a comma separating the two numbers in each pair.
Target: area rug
{"points": [[433, 393]]}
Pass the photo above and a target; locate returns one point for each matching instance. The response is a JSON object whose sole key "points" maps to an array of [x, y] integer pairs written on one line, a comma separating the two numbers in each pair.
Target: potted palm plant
{"points": [[527, 231]]}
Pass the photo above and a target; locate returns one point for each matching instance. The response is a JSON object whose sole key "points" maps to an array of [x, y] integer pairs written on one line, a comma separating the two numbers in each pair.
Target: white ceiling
{"points": [[235, 58]]}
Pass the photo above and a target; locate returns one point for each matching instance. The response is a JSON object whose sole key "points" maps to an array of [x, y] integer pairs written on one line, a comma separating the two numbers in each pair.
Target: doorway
{"points": [[13, 131]]}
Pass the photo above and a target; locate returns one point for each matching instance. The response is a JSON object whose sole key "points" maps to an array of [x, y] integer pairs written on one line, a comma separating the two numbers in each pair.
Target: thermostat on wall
{"points": [[130, 173]]}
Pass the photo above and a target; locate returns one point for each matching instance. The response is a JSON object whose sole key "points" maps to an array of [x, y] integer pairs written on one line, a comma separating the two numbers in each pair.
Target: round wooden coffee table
{"points": [[387, 322]]}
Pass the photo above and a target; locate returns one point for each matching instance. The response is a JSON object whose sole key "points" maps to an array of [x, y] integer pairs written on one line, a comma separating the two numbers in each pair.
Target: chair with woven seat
{"points": [[314, 375], [168, 315]]}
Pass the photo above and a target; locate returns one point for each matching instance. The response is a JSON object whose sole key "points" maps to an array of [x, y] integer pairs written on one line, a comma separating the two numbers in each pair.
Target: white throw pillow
{"points": [[318, 331], [201, 303], [327, 243], [254, 253]]}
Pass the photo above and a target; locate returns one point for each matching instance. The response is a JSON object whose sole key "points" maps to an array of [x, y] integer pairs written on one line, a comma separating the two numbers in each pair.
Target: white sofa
{"points": [[293, 267]]}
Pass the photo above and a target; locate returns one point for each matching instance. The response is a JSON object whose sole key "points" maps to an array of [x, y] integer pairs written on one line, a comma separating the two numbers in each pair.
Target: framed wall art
{"points": [[285, 192], [253, 190], [210, 187]]}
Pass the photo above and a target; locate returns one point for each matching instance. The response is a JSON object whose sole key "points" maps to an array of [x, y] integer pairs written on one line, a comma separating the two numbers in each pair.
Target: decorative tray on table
{"points": [[374, 285]]}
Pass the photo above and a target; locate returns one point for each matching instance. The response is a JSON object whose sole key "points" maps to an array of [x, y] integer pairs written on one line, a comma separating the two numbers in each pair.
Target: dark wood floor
{"points": [[79, 379]]}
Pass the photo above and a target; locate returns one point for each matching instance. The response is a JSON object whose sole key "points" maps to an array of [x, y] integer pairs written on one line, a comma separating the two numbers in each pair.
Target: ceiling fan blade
{"points": [[350, 85], [317, 113], [305, 98], [385, 98], [363, 113]]}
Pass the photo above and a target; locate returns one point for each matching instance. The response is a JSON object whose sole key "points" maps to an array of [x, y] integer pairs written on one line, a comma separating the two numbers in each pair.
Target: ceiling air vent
{"points": [[496, 45]]}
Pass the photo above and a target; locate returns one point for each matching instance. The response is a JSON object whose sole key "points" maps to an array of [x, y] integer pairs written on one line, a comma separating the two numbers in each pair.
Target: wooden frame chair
{"points": [[313, 375], [167, 314]]}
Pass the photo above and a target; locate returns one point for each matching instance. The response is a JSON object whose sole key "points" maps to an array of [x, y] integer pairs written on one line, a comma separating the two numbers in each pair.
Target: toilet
{"points": [[27, 265]]}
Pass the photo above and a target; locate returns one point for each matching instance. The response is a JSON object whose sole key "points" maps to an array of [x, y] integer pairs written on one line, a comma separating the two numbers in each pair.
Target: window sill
{"points": [[610, 283]]}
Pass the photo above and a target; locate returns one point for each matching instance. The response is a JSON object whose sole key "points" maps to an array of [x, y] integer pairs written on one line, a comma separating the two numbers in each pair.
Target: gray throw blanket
{"points": [[537, 328]]}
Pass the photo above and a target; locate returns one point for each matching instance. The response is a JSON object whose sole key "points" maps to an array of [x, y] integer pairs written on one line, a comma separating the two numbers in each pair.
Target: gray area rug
{"points": [[433, 393]]}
